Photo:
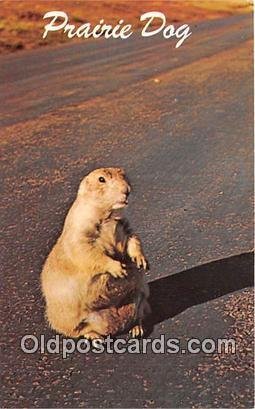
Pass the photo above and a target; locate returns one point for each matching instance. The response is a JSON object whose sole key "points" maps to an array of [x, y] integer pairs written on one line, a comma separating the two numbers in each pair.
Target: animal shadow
{"points": [[173, 294]]}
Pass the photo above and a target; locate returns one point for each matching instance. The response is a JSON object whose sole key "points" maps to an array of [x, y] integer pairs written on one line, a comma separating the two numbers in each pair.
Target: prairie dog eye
{"points": [[101, 179]]}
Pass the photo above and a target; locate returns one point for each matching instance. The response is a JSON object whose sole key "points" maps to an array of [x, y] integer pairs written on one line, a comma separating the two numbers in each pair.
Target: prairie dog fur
{"points": [[91, 280]]}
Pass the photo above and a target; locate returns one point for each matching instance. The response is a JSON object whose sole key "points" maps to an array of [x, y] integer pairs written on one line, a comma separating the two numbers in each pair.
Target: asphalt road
{"points": [[180, 123]]}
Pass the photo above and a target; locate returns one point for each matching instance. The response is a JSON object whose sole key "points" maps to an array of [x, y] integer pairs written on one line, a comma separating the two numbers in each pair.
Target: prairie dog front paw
{"points": [[117, 269], [135, 252], [140, 261]]}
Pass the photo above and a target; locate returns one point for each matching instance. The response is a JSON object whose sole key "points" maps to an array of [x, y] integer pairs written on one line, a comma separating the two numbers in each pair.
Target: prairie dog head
{"points": [[107, 188]]}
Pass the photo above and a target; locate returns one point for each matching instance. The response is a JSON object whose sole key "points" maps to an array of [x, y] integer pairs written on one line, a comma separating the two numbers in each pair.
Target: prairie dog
{"points": [[91, 280]]}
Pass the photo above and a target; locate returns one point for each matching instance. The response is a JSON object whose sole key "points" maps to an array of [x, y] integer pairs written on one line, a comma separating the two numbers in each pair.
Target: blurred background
{"points": [[21, 26]]}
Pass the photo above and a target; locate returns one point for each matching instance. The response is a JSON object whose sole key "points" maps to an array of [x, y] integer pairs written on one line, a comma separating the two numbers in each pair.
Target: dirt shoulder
{"points": [[21, 22]]}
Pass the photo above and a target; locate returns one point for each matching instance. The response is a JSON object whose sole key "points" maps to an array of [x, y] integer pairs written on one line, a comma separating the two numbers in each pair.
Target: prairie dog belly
{"points": [[114, 320], [105, 290]]}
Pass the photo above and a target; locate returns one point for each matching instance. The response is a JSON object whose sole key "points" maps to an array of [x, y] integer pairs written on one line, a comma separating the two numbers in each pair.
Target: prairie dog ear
{"points": [[121, 171]]}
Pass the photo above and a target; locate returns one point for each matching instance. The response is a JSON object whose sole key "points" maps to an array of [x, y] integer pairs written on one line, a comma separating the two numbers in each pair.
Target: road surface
{"points": [[180, 123]]}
